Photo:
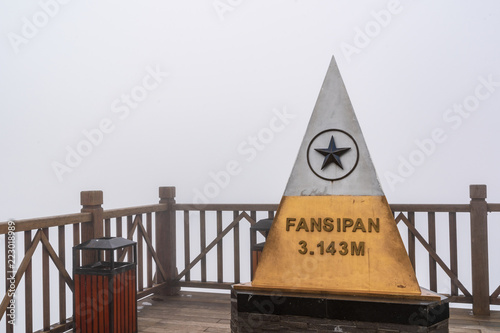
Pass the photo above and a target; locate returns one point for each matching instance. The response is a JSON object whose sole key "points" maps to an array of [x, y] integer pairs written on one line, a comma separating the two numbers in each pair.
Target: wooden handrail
{"points": [[47, 222], [120, 212], [226, 207], [443, 208]]}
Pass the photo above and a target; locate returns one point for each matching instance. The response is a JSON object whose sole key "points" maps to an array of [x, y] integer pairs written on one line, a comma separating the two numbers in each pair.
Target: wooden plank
{"points": [[119, 226], [452, 217], [203, 245], [107, 233], [77, 302], [76, 241], [220, 258], [46, 222], [211, 245], [496, 293], [236, 240], [411, 241], [140, 261], [95, 321], [20, 271], [165, 238], [131, 227], [107, 228], [226, 207], [119, 233], [28, 285], [60, 328], [101, 304], [493, 207], [434, 255], [432, 243], [460, 299], [62, 284], [208, 285], [253, 216], [149, 257], [57, 262], [45, 283], [495, 301], [253, 241], [187, 253], [130, 235], [149, 243], [130, 211], [445, 208], [152, 290], [479, 250]]}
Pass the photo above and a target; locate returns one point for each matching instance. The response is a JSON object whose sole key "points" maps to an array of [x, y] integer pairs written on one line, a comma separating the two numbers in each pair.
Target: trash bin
{"points": [[263, 227], [105, 295]]}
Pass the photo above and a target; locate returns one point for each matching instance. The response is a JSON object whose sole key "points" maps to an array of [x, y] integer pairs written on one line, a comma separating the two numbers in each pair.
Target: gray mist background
{"points": [[233, 65], [228, 69]]}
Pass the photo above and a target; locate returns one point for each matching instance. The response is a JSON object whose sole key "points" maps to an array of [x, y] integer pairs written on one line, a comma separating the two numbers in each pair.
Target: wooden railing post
{"points": [[91, 202], [165, 239], [479, 250]]}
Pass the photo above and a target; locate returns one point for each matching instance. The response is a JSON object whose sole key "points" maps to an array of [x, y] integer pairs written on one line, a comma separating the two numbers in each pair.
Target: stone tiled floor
{"points": [[206, 312]]}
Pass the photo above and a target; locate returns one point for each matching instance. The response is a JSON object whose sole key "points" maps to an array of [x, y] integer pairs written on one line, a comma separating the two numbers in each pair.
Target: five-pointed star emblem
{"points": [[332, 154]]}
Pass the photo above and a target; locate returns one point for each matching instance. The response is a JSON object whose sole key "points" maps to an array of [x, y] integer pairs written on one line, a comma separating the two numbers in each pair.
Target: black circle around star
{"points": [[353, 167]]}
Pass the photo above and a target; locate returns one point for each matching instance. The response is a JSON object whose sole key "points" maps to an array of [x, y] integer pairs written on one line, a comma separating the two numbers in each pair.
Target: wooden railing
{"points": [[208, 246]]}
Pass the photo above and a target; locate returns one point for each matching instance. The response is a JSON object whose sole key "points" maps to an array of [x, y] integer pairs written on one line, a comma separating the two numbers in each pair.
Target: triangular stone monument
{"points": [[333, 259], [334, 231]]}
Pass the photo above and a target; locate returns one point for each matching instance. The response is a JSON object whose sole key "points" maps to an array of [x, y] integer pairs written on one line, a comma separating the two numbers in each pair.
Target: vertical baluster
{"points": [[270, 214], [253, 241], [107, 233], [62, 284], [107, 228], [28, 286], [432, 243], [236, 239], [119, 233], [453, 250], [76, 241], [140, 268], [203, 245], [119, 227], [411, 241], [46, 284], [130, 222], [149, 256], [187, 254], [220, 271]]}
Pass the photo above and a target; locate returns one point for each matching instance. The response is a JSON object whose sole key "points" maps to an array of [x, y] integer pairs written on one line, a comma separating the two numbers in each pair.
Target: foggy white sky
{"points": [[67, 68]]}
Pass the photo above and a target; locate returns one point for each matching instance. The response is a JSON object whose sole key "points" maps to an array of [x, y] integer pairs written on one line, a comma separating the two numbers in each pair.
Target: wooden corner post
{"points": [[479, 250], [165, 240], [91, 202]]}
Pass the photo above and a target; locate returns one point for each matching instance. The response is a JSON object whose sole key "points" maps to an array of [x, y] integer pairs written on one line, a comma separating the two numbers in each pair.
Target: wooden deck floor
{"points": [[205, 312]]}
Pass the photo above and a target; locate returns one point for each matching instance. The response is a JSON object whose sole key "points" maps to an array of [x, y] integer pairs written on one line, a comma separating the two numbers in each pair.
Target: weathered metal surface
{"points": [[333, 115]]}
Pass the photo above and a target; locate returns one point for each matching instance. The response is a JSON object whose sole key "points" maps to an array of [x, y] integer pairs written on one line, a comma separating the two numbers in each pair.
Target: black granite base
{"points": [[292, 312]]}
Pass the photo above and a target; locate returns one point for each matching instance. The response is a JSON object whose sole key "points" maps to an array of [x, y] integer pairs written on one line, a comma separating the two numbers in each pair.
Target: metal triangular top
{"points": [[352, 172]]}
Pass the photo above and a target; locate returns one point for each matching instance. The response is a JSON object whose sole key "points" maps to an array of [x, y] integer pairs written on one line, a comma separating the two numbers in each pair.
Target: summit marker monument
{"points": [[334, 212], [334, 242]]}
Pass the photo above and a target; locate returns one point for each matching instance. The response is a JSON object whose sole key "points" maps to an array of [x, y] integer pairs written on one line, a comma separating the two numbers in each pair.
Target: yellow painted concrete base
{"points": [[337, 245]]}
